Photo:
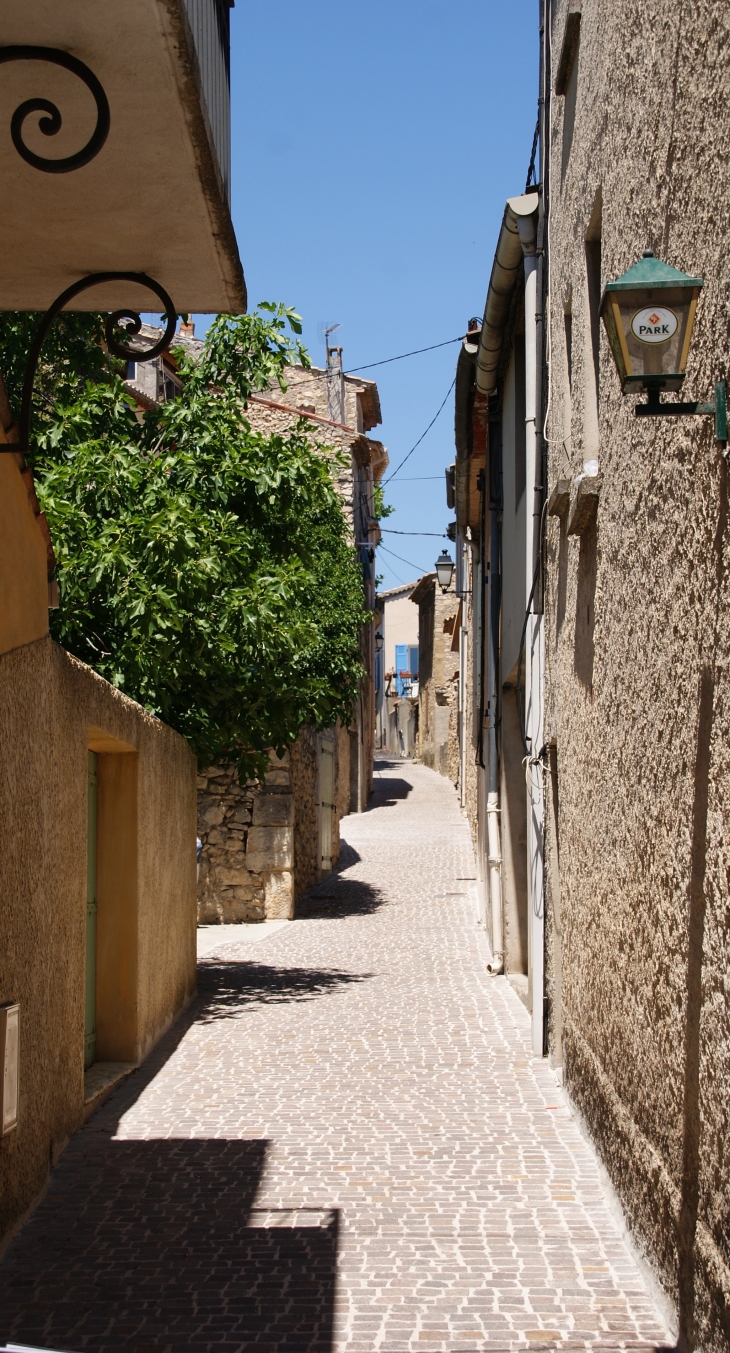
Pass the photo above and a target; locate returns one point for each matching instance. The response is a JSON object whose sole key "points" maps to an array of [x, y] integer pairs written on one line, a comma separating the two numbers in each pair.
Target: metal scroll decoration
{"points": [[126, 320], [50, 124]]}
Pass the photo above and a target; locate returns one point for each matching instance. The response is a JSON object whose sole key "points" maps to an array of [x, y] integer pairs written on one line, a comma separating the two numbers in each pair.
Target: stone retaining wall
{"points": [[261, 841]]}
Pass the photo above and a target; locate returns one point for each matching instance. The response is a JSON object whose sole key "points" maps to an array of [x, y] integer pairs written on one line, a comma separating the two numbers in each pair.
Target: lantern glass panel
{"points": [[649, 315], [444, 570], [655, 328]]}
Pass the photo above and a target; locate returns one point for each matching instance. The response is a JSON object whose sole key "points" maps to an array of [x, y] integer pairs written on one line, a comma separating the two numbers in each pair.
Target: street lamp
{"points": [[649, 314], [379, 642], [444, 570]]}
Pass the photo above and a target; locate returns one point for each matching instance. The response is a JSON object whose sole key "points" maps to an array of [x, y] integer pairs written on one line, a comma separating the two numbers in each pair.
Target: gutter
{"points": [[505, 271], [478, 364]]}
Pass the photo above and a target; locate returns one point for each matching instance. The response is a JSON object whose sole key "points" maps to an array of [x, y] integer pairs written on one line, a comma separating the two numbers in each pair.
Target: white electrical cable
{"points": [[547, 153]]}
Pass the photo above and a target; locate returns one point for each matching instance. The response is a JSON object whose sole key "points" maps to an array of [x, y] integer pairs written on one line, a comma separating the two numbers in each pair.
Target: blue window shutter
{"points": [[414, 661], [401, 665]]}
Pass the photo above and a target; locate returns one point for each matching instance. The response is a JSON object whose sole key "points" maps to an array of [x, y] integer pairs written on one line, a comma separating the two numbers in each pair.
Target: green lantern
{"points": [[649, 314]]}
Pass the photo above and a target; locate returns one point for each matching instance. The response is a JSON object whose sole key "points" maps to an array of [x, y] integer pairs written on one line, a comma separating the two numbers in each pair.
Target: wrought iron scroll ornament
{"points": [[127, 320], [51, 123]]}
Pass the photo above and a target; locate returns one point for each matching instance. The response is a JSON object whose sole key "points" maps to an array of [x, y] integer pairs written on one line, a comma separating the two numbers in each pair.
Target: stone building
{"points": [[264, 845], [438, 682], [597, 543]]}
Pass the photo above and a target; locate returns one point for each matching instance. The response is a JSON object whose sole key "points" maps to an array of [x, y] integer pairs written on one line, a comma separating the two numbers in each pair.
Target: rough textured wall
{"points": [[306, 809], [261, 841], [228, 891], [48, 700], [247, 831], [638, 644]]}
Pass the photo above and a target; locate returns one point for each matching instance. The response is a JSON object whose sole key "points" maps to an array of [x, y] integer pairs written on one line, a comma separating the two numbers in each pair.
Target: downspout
{"points": [[533, 645], [494, 844], [518, 228]]}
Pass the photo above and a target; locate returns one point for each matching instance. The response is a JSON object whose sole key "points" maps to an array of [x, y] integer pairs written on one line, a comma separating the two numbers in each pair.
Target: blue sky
{"points": [[374, 146]]}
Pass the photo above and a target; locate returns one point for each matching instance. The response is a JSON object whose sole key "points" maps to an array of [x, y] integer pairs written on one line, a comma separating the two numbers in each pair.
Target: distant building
{"points": [[396, 672], [438, 682]]}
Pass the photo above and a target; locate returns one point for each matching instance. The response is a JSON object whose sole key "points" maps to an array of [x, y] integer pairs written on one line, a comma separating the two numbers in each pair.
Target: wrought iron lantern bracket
{"points": [[653, 408], [51, 123], [128, 320]]}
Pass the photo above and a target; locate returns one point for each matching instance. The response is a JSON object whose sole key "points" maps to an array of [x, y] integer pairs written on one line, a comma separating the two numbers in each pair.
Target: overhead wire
{"points": [[391, 531], [416, 351], [423, 434], [409, 562]]}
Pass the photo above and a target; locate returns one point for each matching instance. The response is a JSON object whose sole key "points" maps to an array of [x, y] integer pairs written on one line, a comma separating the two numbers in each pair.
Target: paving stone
{"points": [[345, 1144]]}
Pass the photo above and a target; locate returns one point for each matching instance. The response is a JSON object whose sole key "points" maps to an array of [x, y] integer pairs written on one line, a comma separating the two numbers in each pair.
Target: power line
{"points": [[409, 562], [385, 361], [423, 434], [397, 575], [416, 351], [391, 531], [420, 478]]}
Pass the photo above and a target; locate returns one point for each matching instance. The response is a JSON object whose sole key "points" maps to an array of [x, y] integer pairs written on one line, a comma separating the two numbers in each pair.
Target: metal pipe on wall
{"points": [[494, 840], [534, 646]]}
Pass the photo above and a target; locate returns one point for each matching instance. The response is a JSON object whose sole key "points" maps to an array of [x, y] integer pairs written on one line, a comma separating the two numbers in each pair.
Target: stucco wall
{"points": [[49, 702], [23, 562], [638, 639]]}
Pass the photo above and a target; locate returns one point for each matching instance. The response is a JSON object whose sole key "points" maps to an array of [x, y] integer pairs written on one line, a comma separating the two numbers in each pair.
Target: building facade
{"points": [[97, 871], [396, 671], [597, 629], [438, 682]]}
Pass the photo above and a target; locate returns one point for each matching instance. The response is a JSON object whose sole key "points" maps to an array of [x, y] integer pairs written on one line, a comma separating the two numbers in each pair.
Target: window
{"points": [[593, 327], [568, 322]]}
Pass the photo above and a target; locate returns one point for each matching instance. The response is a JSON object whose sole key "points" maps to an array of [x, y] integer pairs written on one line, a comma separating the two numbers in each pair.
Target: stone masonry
{"points": [[247, 862], [261, 841], [438, 677]]}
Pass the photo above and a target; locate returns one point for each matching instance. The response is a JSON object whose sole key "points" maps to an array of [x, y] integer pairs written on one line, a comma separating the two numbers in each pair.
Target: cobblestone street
{"points": [[345, 1143]]}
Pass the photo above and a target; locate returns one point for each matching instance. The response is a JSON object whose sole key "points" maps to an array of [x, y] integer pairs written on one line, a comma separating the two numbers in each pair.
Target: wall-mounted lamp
{"points": [[649, 314], [379, 642], [444, 570]]}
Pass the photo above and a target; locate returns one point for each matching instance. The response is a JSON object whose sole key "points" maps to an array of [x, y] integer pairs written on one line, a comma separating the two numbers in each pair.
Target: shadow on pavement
{"points": [[156, 1245], [227, 986], [338, 896], [388, 789]]}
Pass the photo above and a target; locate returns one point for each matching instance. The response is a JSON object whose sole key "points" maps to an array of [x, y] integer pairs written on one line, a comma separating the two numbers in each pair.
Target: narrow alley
{"points": [[344, 1143]]}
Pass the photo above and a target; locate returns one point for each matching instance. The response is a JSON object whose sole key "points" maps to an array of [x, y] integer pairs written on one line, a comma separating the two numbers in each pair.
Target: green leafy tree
{"points": [[204, 568]]}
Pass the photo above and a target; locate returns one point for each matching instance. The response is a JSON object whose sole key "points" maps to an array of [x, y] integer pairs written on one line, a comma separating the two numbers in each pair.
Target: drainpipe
{"points": [[534, 644], [461, 574], [494, 844]]}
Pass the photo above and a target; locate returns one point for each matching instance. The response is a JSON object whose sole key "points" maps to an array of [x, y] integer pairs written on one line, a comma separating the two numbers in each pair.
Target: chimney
{"points": [[335, 385], [187, 330]]}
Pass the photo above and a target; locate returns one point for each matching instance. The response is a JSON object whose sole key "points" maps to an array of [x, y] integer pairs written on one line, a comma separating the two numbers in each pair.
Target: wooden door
{"points": [[327, 801], [90, 1000]]}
